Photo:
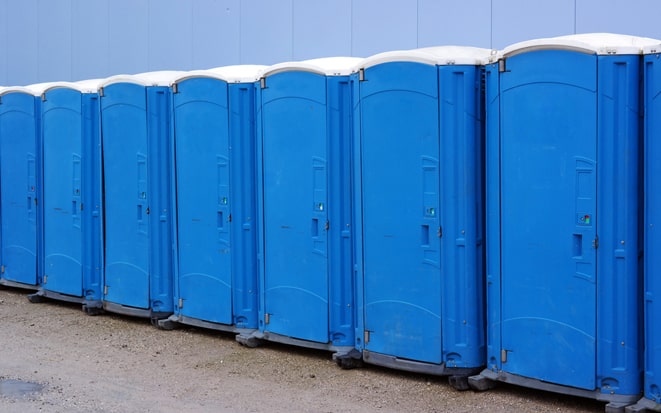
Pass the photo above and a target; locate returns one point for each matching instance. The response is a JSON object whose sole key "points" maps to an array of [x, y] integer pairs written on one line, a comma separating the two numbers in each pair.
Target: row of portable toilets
{"points": [[452, 210]]}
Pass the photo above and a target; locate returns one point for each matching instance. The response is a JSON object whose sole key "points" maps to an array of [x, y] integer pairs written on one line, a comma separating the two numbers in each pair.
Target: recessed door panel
{"points": [[63, 187], [549, 216], [18, 188], [295, 205], [401, 228], [127, 205], [203, 200]]}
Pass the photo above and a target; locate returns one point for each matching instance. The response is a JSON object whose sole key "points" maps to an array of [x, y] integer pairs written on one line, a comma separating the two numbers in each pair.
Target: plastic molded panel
{"points": [[127, 197], [562, 215], [204, 201], [295, 205], [652, 70], [400, 211], [19, 187], [63, 191], [548, 213]]}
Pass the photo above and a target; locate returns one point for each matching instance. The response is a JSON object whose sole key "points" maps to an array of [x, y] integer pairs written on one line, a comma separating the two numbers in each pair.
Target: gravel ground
{"points": [[112, 363]]}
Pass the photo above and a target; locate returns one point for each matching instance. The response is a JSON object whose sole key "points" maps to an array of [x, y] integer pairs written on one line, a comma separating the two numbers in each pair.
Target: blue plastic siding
{"points": [[357, 214], [619, 281], [204, 203], [492, 218], [92, 199], [652, 73], [243, 142], [341, 311], [548, 156], [138, 237], [126, 195], [159, 117], [20, 186], [399, 178], [461, 200], [295, 204], [549, 290], [64, 178]]}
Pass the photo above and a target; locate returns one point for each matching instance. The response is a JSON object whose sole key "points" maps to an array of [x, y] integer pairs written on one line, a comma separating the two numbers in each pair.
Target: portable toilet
{"points": [[304, 128], [20, 186], [563, 191], [216, 275], [418, 210], [72, 220], [651, 399], [135, 135]]}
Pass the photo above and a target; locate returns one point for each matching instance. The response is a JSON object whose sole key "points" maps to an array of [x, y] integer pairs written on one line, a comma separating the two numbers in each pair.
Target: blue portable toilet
{"points": [[20, 186], [136, 144], [651, 399], [306, 295], [563, 191], [215, 173], [418, 210], [72, 220]]}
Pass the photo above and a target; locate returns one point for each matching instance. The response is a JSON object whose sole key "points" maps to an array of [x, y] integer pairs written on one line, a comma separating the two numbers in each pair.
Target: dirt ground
{"points": [[112, 363]]}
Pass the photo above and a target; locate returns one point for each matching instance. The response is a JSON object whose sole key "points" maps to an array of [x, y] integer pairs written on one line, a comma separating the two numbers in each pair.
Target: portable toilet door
{"points": [[418, 148], [305, 222], [215, 171], [135, 127], [20, 186], [651, 400], [562, 216], [72, 194]]}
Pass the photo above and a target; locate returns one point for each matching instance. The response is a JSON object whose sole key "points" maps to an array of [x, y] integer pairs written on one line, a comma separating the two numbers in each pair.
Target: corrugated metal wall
{"points": [[46, 40]]}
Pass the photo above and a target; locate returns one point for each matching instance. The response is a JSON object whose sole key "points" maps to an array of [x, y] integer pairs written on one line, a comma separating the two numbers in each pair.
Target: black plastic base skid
{"points": [[351, 359], [644, 405], [617, 403]]}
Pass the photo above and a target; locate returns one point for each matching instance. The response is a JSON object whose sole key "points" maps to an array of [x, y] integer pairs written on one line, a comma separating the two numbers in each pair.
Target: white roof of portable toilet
{"points": [[328, 66], [591, 43], [35, 89], [437, 56], [230, 74], [158, 78], [82, 86], [651, 49]]}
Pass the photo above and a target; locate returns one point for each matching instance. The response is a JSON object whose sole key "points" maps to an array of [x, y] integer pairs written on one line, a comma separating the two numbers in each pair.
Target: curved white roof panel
{"points": [[652, 49], [35, 89], [328, 66], [230, 74], [158, 78], [436, 56], [83, 86], [590, 43]]}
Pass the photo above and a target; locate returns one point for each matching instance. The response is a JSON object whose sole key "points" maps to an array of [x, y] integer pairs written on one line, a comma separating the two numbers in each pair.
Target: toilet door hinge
{"points": [[440, 232], [361, 75], [502, 67], [2, 269], [595, 242], [267, 318], [45, 279], [366, 337], [105, 290], [181, 303], [503, 356]]}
